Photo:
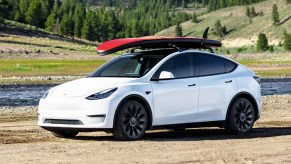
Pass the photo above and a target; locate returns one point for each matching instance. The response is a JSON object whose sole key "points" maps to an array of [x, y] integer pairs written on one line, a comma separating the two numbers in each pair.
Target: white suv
{"points": [[155, 89]]}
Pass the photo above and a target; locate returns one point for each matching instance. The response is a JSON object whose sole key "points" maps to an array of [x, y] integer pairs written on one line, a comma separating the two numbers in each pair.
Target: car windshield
{"points": [[128, 66]]}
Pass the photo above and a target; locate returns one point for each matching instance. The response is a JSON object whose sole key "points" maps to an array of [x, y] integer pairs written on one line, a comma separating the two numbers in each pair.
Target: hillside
{"points": [[240, 31]]}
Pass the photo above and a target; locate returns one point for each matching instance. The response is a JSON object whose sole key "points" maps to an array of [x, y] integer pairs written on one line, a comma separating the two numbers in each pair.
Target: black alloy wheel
{"points": [[131, 122], [242, 117]]}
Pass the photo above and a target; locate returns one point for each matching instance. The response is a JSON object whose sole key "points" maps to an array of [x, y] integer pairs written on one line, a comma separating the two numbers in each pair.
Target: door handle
{"points": [[229, 81], [191, 85]]}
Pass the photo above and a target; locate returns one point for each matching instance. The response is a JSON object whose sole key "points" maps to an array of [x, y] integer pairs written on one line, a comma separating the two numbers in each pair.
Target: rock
{"points": [[49, 78]]}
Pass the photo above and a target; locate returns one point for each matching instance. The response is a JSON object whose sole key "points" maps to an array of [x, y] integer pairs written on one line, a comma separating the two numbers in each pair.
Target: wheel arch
{"points": [[247, 96], [141, 100]]}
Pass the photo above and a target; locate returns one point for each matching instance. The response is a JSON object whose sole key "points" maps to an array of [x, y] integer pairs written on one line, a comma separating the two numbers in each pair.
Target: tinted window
{"points": [[180, 66], [229, 66], [210, 65]]}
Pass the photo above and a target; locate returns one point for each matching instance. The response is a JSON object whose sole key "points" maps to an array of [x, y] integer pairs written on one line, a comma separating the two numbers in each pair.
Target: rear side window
{"points": [[210, 65], [229, 66]]}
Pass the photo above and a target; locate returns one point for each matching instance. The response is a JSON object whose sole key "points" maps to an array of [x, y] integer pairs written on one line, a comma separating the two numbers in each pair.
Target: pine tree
{"points": [[63, 29], [248, 12], [271, 48], [113, 25], [168, 5], [219, 30], [4, 9], [89, 31], [70, 25], [287, 41], [79, 15], [253, 12], [33, 14], [50, 24], [184, 5], [136, 30], [211, 5], [222, 4], [194, 18], [45, 8], [262, 43], [179, 30], [21, 10], [275, 15]]}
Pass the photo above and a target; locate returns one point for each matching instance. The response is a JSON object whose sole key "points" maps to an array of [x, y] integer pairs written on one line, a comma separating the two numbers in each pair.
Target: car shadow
{"points": [[199, 135]]}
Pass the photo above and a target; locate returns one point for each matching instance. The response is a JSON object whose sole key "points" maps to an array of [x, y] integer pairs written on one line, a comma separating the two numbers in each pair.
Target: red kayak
{"points": [[155, 42]]}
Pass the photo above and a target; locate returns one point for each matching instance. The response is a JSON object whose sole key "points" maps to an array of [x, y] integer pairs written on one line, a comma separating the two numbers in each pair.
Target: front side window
{"points": [[127, 66], [180, 66]]}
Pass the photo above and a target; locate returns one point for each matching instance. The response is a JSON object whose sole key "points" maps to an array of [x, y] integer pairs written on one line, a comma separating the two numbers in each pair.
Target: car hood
{"points": [[86, 86]]}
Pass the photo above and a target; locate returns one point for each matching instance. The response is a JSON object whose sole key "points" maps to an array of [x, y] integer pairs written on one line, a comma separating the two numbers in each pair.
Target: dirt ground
{"points": [[21, 141]]}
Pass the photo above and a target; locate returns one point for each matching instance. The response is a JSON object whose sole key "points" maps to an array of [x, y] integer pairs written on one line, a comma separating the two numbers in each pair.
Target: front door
{"points": [[176, 98]]}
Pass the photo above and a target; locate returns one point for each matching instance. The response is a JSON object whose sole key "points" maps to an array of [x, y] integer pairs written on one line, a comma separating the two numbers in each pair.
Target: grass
{"points": [[47, 67], [276, 73], [268, 68]]}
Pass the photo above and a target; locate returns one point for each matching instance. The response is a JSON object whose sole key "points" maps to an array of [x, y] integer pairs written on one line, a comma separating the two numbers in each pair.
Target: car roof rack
{"points": [[154, 42]]}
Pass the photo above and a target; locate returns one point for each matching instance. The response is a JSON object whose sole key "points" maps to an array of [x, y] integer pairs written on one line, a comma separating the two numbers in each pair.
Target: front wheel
{"points": [[131, 121], [241, 117], [64, 134]]}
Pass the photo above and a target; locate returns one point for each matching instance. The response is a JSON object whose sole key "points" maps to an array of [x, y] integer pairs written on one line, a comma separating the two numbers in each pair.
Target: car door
{"points": [[175, 98], [217, 86]]}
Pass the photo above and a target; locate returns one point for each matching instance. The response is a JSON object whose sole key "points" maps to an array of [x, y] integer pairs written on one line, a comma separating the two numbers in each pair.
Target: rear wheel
{"points": [[131, 121], [64, 134], [241, 117]]}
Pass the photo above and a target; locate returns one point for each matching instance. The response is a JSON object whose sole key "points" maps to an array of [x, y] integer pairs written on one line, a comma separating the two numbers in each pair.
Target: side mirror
{"points": [[166, 75]]}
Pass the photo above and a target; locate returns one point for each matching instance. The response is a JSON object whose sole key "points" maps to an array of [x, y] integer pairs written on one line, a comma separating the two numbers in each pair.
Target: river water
{"points": [[22, 95]]}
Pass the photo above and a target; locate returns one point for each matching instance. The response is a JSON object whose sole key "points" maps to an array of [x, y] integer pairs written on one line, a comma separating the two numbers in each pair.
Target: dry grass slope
{"points": [[241, 32]]}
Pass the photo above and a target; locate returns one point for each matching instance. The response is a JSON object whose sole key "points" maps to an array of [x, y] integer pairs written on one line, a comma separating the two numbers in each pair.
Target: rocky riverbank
{"points": [[37, 80]]}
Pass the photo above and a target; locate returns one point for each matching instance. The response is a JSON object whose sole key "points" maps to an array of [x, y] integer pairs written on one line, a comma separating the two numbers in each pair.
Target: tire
{"points": [[241, 117], [131, 121], [64, 134]]}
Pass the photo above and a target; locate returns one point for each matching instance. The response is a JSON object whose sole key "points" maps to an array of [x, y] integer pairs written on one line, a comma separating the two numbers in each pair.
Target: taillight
{"points": [[257, 78]]}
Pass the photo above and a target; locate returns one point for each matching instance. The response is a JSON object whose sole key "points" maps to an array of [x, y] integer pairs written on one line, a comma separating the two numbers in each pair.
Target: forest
{"points": [[101, 20]]}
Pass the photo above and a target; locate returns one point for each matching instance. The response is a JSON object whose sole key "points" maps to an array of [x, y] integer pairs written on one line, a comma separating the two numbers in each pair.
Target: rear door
{"points": [[176, 99], [217, 86]]}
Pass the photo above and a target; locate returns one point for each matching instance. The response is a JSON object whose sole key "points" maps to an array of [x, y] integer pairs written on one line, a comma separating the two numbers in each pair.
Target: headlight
{"points": [[101, 95]]}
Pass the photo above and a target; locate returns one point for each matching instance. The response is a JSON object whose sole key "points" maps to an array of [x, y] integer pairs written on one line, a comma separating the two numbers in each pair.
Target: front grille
{"points": [[59, 121]]}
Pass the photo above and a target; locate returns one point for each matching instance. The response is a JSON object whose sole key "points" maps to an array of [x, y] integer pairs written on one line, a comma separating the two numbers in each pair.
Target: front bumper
{"points": [[76, 113]]}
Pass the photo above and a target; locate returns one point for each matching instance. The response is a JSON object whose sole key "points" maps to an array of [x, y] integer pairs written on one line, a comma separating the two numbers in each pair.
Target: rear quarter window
{"points": [[229, 65], [212, 65]]}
